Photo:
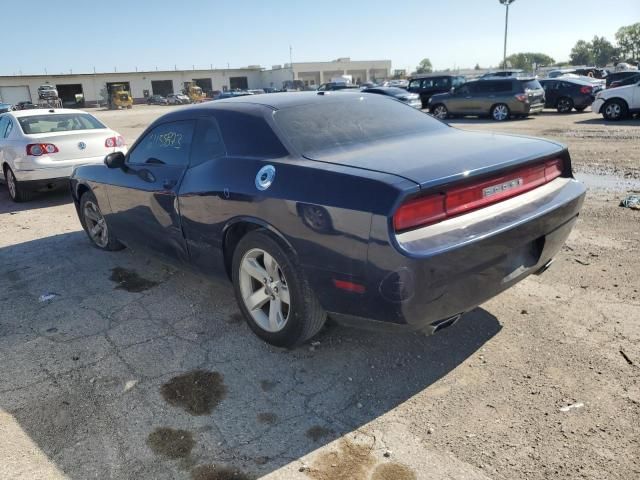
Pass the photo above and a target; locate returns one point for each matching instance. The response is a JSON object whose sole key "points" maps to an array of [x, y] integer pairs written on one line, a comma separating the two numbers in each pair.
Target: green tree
{"points": [[628, 39], [526, 60], [581, 53], [603, 51], [424, 66]]}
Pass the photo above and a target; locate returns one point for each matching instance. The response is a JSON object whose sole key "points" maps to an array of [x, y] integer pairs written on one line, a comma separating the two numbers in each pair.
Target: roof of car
{"points": [[47, 111], [279, 100]]}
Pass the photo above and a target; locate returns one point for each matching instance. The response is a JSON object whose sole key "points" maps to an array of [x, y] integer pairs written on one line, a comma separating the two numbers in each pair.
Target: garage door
{"points": [[15, 94]]}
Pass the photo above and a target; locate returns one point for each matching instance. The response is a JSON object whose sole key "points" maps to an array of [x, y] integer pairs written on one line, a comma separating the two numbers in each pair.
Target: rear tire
{"points": [[500, 112], [18, 192], [564, 105], [264, 305], [615, 110], [95, 225]]}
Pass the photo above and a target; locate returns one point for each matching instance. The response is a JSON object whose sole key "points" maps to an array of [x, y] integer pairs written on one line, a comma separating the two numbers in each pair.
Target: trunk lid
{"points": [[442, 156], [76, 144]]}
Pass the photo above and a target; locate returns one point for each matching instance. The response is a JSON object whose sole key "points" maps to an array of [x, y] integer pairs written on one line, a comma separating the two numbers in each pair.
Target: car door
{"points": [[635, 104], [550, 92], [460, 100], [143, 195]]}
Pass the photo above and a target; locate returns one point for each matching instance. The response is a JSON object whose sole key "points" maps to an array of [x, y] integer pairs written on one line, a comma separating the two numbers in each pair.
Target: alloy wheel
{"points": [[613, 111], [500, 112], [264, 290], [96, 225], [440, 112], [564, 105]]}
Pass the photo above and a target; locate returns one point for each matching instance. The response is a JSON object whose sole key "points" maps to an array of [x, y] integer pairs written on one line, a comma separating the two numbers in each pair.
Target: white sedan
{"points": [[40, 148]]}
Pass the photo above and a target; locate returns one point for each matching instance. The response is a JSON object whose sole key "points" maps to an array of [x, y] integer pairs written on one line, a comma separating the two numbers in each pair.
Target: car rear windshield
{"points": [[61, 122], [531, 85], [359, 120]]}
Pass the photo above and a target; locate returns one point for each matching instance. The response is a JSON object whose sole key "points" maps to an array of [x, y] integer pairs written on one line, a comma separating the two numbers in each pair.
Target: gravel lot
{"points": [[115, 365]]}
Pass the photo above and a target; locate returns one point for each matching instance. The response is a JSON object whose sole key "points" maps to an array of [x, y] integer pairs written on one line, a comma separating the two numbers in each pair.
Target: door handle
{"points": [[467, 97], [168, 184]]}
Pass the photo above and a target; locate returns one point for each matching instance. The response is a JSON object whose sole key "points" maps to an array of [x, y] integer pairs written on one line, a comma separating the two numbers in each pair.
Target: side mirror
{"points": [[114, 160]]}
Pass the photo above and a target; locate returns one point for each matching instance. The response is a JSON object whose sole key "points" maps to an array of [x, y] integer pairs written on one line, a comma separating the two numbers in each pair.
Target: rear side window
{"points": [[415, 83], [166, 144], [207, 143], [457, 81], [61, 122], [247, 134]]}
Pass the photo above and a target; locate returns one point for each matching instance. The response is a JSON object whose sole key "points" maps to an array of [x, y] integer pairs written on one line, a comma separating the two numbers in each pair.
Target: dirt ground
{"points": [[115, 365]]}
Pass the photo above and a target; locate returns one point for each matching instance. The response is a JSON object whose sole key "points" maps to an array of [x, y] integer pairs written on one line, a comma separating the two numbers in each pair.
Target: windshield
{"points": [[63, 122], [357, 121]]}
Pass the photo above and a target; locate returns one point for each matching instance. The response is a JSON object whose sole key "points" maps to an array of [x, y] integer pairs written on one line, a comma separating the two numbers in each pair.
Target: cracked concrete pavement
{"points": [[82, 374]]}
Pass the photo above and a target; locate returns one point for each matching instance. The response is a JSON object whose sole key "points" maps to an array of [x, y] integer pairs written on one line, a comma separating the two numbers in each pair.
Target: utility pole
{"points": [[506, 3], [293, 74]]}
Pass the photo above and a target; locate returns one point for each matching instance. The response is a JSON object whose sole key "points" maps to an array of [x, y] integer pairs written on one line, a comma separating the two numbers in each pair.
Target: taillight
{"points": [[522, 97], [37, 149], [113, 142], [586, 90], [423, 211]]}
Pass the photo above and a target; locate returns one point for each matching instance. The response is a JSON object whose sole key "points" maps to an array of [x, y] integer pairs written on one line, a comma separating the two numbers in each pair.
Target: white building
{"points": [[80, 89]]}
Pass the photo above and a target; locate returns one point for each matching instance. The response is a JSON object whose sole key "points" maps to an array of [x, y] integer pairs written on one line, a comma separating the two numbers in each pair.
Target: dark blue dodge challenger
{"points": [[347, 205]]}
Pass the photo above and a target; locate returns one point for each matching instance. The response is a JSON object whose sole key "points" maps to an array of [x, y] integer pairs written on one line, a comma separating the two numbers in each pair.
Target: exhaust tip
{"points": [[544, 268], [438, 325]]}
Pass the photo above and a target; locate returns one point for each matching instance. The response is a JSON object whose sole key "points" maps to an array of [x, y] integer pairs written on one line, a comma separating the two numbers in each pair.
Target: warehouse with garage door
{"points": [[15, 93], [89, 90]]}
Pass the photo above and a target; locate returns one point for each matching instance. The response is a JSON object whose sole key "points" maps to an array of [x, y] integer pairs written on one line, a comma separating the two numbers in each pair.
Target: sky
{"points": [[145, 34]]}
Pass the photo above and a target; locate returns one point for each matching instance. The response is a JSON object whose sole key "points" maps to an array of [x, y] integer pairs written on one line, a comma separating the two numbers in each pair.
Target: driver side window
{"points": [[167, 144]]}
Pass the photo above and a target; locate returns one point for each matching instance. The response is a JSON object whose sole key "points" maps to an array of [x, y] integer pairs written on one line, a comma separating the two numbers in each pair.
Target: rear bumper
{"points": [[440, 271]]}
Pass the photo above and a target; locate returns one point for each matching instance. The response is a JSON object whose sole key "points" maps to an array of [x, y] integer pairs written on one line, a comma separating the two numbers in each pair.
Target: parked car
{"points": [[5, 107], [592, 72], [599, 82], [329, 87], [232, 94], [47, 92], [502, 74], [620, 76], [412, 99], [427, 86], [422, 221], [40, 148], [157, 100], [178, 99], [500, 99], [618, 103], [627, 81], [24, 106], [565, 94]]}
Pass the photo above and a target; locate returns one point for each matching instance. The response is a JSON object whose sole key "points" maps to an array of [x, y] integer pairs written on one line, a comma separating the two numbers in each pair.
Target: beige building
{"points": [[86, 89]]}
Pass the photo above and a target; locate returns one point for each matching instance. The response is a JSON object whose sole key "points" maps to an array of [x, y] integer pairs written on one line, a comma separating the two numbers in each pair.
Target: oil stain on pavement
{"points": [[130, 281], [355, 462], [170, 443], [317, 432], [198, 392], [393, 471], [267, 418], [215, 472]]}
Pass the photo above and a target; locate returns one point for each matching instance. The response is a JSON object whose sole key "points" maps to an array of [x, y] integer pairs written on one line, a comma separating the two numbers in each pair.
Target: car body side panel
{"points": [[315, 207]]}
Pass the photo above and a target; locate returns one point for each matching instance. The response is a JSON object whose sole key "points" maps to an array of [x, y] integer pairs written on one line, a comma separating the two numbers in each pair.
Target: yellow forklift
{"points": [[119, 96], [194, 92]]}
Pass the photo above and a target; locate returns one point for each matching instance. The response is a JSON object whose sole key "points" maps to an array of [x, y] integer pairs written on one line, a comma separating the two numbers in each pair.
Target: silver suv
{"points": [[47, 91], [499, 99]]}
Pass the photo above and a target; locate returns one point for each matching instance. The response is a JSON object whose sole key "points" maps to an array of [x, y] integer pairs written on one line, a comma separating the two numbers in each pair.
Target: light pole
{"points": [[506, 3]]}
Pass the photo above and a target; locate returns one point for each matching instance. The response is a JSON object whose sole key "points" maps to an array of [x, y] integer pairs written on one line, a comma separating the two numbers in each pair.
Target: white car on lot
{"points": [[40, 148], [618, 103]]}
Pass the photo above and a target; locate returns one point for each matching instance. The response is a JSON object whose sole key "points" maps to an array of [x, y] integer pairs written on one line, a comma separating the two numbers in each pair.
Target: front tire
{"points": [[273, 293], [95, 225], [615, 110], [440, 111], [18, 192], [500, 112]]}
